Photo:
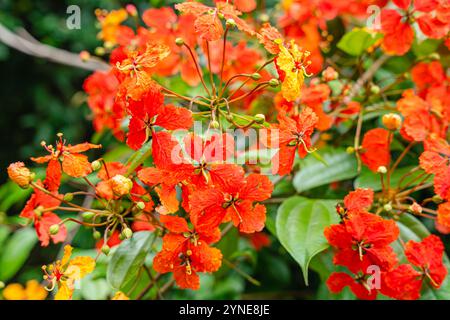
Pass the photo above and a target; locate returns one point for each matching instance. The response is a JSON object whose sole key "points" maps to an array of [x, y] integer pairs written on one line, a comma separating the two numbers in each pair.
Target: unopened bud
{"points": [[96, 165], [230, 23], [274, 83], [127, 233], [54, 229], [415, 207], [214, 124], [85, 56], [255, 76], [437, 199], [121, 185], [392, 121], [100, 51], [68, 197], [131, 9], [97, 235], [20, 174], [179, 41], [350, 150], [387, 207], [260, 118], [88, 215], [140, 205], [2, 285], [434, 56], [330, 74], [106, 249], [375, 89], [382, 169]]}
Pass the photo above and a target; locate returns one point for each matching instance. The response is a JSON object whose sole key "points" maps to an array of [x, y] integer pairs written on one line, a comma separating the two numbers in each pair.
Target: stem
{"points": [[211, 77], [223, 59], [197, 68]]}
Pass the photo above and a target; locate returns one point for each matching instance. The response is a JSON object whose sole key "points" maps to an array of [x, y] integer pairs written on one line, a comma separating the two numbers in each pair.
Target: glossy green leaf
{"points": [[357, 41], [314, 173], [300, 224], [128, 259], [16, 251]]}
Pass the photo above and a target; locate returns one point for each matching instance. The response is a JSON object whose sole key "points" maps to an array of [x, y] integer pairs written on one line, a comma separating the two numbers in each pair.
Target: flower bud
{"points": [[88, 215], [387, 207], [382, 169], [179, 41], [230, 23], [68, 197], [106, 249], [274, 83], [214, 124], [121, 185], [131, 9], [20, 174], [437, 199], [350, 150], [54, 229], [375, 89], [96, 235], [140, 205], [330, 74], [392, 121], [100, 51], [260, 118], [96, 165], [434, 56], [415, 207], [255, 76], [85, 56], [127, 233], [2, 285]]}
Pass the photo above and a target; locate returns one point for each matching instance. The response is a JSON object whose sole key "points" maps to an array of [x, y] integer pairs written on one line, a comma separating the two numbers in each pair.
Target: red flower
{"points": [[186, 252], [359, 200], [403, 283], [363, 240], [74, 163], [428, 256], [339, 280], [294, 134], [149, 112], [376, 149], [212, 206]]}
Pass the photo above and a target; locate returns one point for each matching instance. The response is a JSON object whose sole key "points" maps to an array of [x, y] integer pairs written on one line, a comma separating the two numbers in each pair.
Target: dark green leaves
{"points": [[128, 259], [300, 224], [313, 173]]}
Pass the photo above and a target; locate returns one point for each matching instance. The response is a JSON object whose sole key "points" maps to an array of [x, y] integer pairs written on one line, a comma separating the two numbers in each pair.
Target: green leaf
{"points": [[15, 252], [300, 224], [369, 179], [128, 259], [313, 173], [357, 41]]}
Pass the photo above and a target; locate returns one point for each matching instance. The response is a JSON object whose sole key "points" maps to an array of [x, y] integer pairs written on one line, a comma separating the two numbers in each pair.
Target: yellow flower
{"points": [[110, 23], [291, 62], [32, 291], [120, 296], [64, 273]]}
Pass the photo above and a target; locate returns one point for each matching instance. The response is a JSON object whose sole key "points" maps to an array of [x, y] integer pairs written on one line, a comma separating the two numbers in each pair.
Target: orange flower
{"points": [[32, 291], [74, 163], [20, 174], [443, 217], [110, 24], [267, 36]]}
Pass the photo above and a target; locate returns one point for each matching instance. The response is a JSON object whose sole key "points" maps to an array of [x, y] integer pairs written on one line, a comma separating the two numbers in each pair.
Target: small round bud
{"points": [[214, 124], [229, 117], [255, 76], [179, 41], [121, 237], [274, 83], [68, 197], [375, 89], [106, 249], [54, 229], [330, 74], [96, 235], [392, 121], [437, 199], [108, 45], [2, 285], [230, 23], [88, 215], [85, 56], [121, 185], [127, 233], [140, 205], [96, 165], [387, 207], [350, 150], [131, 9], [38, 211], [100, 51], [264, 17], [219, 14], [382, 170], [20, 174], [260, 118], [415, 207]]}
